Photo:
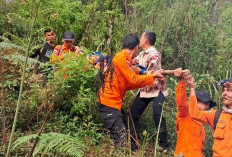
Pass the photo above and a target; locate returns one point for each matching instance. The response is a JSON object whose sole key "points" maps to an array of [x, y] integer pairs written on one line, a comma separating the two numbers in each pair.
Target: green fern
{"points": [[18, 58], [7, 45], [14, 38], [2, 38], [24, 139], [54, 143]]}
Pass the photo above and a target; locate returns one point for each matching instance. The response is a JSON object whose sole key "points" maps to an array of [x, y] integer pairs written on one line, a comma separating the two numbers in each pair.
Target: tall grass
{"points": [[158, 131]]}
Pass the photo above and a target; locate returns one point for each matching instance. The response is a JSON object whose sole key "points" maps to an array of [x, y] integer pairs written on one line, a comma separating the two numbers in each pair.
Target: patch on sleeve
{"points": [[56, 52]]}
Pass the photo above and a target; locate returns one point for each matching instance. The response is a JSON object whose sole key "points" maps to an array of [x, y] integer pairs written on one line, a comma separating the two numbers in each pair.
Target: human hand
{"points": [[178, 72], [157, 74], [150, 72], [77, 49], [189, 80]]}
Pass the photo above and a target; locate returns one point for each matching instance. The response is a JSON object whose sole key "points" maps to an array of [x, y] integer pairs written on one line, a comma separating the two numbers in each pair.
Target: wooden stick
{"points": [[171, 72], [40, 131]]}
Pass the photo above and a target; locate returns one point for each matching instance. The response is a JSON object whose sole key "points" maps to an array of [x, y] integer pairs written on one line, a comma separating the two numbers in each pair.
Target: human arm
{"points": [[154, 60], [36, 52], [134, 81], [181, 96], [206, 117], [181, 99]]}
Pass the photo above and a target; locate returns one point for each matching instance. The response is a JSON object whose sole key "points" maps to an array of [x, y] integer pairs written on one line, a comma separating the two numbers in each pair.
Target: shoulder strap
{"points": [[216, 117], [60, 50]]}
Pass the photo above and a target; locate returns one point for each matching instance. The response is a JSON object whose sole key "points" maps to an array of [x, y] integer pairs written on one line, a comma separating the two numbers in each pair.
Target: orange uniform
{"points": [[124, 78], [190, 133], [223, 133], [60, 53]]}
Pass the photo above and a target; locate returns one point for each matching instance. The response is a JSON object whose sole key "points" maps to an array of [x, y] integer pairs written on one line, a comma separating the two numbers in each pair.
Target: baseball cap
{"points": [[204, 97], [222, 82], [68, 36]]}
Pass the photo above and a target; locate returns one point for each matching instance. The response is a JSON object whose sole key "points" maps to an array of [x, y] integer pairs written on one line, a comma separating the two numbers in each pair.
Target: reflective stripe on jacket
{"points": [[60, 53]]}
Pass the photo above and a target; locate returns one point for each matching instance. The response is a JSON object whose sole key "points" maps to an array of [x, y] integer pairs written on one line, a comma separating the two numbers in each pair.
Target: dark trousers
{"points": [[137, 109], [113, 121]]}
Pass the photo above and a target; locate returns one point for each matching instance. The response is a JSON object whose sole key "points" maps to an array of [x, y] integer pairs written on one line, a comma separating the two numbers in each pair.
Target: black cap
{"points": [[68, 36], [204, 97], [222, 82]]}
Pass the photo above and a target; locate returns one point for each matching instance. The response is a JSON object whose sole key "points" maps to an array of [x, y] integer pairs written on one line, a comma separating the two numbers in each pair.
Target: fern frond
{"points": [[15, 38], [18, 58], [55, 143], [21, 140], [2, 38], [6, 45]]}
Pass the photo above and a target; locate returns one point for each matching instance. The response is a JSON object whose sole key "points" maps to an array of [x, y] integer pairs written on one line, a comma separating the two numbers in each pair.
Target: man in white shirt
{"points": [[150, 59]]}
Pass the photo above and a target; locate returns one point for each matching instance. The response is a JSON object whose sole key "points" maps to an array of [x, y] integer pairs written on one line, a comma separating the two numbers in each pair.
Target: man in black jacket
{"points": [[43, 54], [46, 50]]}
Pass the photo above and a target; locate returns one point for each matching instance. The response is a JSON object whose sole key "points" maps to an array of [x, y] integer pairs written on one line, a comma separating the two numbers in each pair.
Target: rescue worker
{"points": [[219, 120], [65, 50], [116, 80], [190, 133], [149, 59], [46, 50]]}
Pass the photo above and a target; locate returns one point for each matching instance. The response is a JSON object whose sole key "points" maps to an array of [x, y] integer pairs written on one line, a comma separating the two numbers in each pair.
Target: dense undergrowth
{"points": [[192, 34]]}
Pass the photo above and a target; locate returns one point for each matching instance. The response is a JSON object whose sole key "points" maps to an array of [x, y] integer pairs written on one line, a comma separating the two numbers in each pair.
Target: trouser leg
{"points": [[112, 120], [157, 109], [136, 110]]}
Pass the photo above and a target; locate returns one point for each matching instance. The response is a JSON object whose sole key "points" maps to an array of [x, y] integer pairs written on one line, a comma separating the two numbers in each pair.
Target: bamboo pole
{"points": [[22, 83]]}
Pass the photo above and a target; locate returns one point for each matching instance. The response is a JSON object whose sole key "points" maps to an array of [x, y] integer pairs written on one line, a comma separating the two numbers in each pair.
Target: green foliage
{"points": [[54, 143], [18, 58], [5, 45], [101, 15], [78, 89], [191, 34]]}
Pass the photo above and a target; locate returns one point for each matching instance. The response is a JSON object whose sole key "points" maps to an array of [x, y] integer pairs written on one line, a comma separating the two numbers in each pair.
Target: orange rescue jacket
{"points": [[124, 78], [60, 53], [222, 146], [190, 133]]}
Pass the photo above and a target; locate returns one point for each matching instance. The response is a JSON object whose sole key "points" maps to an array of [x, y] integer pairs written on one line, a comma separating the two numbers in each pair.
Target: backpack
{"points": [[216, 117]]}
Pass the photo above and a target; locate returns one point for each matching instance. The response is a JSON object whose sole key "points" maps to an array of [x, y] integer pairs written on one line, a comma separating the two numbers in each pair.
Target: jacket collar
{"points": [[227, 110], [127, 56], [149, 49]]}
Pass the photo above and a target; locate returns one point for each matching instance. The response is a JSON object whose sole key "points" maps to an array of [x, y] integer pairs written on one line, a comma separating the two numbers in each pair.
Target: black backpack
{"points": [[216, 117]]}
